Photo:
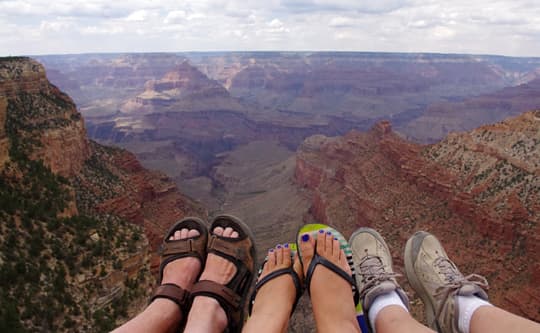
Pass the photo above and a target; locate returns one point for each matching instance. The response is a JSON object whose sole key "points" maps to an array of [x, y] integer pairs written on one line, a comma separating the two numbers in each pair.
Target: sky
{"points": [[34, 27]]}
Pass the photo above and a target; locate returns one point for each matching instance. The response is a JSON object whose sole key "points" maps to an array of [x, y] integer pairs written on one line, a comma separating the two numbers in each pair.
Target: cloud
{"points": [[341, 22], [138, 16], [509, 27], [362, 6]]}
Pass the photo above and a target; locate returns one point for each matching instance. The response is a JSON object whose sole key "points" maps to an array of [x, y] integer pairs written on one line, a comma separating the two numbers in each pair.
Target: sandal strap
{"points": [[227, 298], [316, 260], [273, 275], [171, 250], [174, 293], [279, 272], [233, 249]]}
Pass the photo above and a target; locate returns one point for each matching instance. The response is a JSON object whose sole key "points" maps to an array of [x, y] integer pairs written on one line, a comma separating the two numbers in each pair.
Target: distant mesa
{"points": [[184, 88]]}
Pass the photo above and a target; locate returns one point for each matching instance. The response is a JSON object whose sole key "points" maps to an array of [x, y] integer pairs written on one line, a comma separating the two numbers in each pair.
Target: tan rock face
{"points": [[44, 114], [479, 192]]}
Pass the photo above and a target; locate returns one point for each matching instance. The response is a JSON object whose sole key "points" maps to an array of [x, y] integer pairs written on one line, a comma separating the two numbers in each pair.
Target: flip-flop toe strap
{"points": [[275, 274], [316, 260]]}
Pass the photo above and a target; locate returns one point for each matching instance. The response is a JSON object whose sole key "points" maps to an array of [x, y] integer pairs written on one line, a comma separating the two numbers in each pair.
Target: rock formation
{"points": [[81, 218], [184, 88], [478, 191]]}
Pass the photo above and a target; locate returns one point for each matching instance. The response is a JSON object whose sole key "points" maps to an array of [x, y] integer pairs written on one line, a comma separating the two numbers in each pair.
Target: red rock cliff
{"points": [[478, 191]]}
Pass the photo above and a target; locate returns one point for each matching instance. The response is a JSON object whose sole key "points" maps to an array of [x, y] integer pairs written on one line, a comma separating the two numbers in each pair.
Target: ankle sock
{"points": [[382, 301], [467, 305]]}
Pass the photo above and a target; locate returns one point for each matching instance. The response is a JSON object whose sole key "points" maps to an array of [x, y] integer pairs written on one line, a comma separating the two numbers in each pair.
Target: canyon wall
{"points": [[98, 214], [477, 191]]}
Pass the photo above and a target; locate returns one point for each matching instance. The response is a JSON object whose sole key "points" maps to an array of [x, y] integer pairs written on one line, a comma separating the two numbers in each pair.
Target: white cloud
{"points": [[175, 16], [341, 22], [138, 16], [509, 27]]}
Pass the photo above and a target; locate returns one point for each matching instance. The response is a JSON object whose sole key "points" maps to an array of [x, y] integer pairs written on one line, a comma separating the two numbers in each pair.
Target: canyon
{"points": [[478, 191], [283, 139], [83, 219]]}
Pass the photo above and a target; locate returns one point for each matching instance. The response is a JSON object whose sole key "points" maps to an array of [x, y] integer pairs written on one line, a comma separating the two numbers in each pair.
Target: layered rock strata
{"points": [[477, 191]]}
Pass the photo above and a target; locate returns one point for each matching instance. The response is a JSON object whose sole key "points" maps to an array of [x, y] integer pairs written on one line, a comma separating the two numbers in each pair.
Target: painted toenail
{"points": [[321, 231], [335, 238], [271, 250], [305, 237], [286, 245], [278, 246], [329, 233]]}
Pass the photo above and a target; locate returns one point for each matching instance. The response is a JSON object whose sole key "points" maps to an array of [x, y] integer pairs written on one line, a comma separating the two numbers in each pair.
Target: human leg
{"points": [[453, 302], [178, 272], [220, 293], [493, 319], [276, 292], [330, 293], [382, 298]]}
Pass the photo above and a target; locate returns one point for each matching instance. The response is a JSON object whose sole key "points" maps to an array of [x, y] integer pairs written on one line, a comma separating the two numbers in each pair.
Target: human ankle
{"points": [[207, 309], [467, 306], [381, 302]]}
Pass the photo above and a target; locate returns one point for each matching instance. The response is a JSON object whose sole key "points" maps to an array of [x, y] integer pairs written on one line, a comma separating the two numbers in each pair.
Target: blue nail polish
{"points": [[321, 231], [286, 245], [305, 237], [278, 246], [335, 238], [329, 233], [271, 250]]}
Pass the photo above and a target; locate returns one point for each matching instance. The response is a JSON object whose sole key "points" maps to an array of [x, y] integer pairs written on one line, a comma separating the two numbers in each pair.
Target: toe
{"points": [[184, 233], [235, 234], [271, 263], [177, 235], [228, 232], [297, 266], [193, 233], [336, 250], [279, 255], [321, 242], [286, 255], [329, 244], [343, 262], [307, 248], [218, 231]]}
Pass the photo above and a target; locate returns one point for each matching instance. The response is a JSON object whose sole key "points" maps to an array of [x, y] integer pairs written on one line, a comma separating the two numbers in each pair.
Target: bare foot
{"points": [[182, 272], [206, 314], [275, 299], [163, 315], [331, 295]]}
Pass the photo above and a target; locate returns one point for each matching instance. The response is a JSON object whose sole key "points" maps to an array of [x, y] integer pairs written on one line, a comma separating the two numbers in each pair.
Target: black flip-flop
{"points": [[289, 270], [313, 229]]}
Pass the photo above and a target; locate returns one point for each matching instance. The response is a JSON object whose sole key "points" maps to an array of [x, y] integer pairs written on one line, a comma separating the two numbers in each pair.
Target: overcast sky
{"points": [[510, 27]]}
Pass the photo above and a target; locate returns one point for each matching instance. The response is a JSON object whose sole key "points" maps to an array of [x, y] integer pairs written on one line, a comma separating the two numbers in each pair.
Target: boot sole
{"points": [[417, 285]]}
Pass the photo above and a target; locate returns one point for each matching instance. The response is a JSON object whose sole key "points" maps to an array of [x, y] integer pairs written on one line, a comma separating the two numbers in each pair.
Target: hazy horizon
{"points": [[36, 27]]}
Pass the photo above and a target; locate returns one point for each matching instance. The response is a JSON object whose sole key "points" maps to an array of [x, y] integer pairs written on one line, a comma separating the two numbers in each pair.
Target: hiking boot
{"points": [[373, 267], [438, 282]]}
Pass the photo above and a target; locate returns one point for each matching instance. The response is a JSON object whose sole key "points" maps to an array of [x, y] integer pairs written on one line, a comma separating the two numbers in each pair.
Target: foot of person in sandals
{"points": [[275, 298], [220, 270], [333, 306], [182, 272], [221, 292]]}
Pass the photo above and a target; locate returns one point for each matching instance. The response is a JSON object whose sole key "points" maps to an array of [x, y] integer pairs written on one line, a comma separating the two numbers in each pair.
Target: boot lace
{"points": [[455, 280], [372, 272]]}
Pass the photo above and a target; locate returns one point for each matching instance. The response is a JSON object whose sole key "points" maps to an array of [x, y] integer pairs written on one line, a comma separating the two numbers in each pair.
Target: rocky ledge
{"points": [[478, 191]]}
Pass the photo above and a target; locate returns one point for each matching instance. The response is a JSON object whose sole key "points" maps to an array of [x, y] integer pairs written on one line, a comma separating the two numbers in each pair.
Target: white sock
{"points": [[467, 305], [382, 301]]}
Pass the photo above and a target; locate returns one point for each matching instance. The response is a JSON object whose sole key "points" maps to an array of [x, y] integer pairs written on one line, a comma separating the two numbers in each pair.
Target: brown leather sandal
{"points": [[176, 249], [242, 253]]}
